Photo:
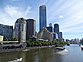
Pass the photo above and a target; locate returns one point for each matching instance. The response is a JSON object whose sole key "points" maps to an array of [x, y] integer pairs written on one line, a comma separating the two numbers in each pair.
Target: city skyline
{"points": [[68, 14]]}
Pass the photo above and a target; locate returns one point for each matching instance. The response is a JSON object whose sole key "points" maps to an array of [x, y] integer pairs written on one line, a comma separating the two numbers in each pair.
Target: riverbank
{"points": [[24, 49], [29, 45], [50, 46]]}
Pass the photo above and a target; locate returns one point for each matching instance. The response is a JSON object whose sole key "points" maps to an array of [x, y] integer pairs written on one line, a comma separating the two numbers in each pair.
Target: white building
{"points": [[45, 35], [1, 38]]}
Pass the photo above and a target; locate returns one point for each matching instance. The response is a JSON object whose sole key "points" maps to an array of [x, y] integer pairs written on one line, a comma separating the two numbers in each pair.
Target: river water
{"points": [[72, 53]]}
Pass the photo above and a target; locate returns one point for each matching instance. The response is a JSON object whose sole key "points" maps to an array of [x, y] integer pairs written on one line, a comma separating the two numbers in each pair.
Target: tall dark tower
{"points": [[30, 28], [42, 17], [56, 28]]}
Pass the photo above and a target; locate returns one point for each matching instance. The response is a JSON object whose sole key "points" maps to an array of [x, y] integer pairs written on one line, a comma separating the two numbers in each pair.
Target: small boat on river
{"points": [[68, 44], [81, 47], [59, 48], [17, 60]]}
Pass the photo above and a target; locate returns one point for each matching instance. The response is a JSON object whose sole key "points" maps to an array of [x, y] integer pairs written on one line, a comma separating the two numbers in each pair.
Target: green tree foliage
{"points": [[14, 39], [43, 43]]}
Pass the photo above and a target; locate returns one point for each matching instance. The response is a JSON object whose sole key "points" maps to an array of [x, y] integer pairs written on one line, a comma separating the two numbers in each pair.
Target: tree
{"points": [[14, 39]]}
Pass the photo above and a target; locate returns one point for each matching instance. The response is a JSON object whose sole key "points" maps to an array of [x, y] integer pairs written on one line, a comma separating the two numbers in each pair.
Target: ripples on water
{"points": [[72, 53]]}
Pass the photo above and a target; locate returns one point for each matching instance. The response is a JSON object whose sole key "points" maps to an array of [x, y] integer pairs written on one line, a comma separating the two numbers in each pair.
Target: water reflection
{"points": [[4, 57], [46, 55]]}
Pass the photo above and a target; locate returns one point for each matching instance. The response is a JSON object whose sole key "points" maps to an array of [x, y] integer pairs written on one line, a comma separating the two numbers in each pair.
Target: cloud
{"points": [[5, 19], [27, 10], [61, 16], [10, 14], [16, 11], [41, 2], [12, 11]]}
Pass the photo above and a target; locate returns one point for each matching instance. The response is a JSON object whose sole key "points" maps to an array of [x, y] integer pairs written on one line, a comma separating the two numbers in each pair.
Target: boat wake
{"points": [[16, 60], [65, 51]]}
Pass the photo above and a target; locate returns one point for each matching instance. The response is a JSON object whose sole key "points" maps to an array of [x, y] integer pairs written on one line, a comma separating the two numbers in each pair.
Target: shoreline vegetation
{"points": [[47, 43], [31, 45]]}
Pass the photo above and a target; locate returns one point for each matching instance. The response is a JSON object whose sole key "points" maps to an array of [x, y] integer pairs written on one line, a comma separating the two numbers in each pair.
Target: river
{"points": [[72, 53]]}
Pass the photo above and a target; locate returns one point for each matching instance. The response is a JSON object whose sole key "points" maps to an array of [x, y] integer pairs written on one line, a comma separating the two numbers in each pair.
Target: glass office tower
{"points": [[42, 17]]}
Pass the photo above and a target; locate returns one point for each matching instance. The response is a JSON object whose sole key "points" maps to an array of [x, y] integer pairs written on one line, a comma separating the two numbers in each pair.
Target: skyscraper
{"points": [[20, 30], [30, 28], [56, 28], [42, 17], [60, 36]]}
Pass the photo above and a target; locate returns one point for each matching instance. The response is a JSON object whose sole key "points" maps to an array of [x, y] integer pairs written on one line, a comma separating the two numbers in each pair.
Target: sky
{"points": [[67, 13]]}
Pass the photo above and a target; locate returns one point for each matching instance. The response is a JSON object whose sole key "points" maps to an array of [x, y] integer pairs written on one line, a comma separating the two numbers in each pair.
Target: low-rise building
{"points": [[6, 31], [1, 38], [45, 35]]}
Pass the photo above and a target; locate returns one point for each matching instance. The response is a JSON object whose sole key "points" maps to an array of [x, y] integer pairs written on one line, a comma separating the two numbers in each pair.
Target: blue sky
{"points": [[67, 13]]}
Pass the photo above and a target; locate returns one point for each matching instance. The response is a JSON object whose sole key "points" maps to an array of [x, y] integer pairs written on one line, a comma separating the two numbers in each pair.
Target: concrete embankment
{"points": [[23, 49]]}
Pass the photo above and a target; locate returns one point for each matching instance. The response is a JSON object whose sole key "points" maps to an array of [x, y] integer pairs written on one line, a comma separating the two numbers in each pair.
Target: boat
{"points": [[16, 60], [81, 47], [49, 46], [60, 48], [68, 44], [26, 50]]}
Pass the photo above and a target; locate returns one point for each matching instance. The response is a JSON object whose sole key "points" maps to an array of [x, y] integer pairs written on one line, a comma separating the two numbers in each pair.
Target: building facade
{"points": [[42, 17], [20, 30], [50, 28], [56, 28], [1, 38], [60, 37], [30, 28], [44, 34], [6, 31], [55, 36]]}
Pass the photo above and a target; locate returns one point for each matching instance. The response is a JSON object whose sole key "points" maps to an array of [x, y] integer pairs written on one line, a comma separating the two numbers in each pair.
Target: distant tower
{"points": [[20, 30], [56, 28], [50, 24], [50, 28], [30, 28], [60, 35], [42, 17]]}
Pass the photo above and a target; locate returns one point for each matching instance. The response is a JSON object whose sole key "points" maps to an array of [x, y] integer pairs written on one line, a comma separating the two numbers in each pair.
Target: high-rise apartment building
{"points": [[30, 28], [60, 35], [42, 17], [20, 30], [56, 28]]}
